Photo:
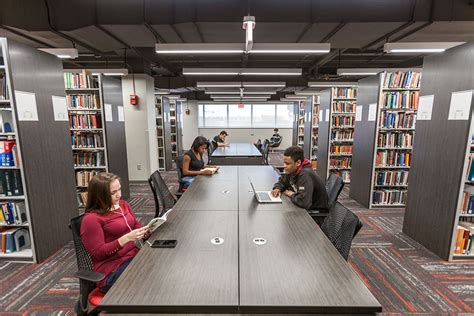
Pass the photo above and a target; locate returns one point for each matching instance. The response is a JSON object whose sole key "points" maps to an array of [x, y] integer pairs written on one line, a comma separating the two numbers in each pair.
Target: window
{"points": [[240, 115], [215, 115], [284, 115], [263, 115]]}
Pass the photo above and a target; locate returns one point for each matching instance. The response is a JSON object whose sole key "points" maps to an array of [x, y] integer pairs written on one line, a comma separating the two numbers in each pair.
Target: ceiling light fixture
{"points": [[292, 99], [297, 97], [291, 48], [245, 84], [329, 84], [237, 100], [359, 71], [230, 96], [244, 92], [63, 53], [243, 71], [206, 48], [419, 47]]}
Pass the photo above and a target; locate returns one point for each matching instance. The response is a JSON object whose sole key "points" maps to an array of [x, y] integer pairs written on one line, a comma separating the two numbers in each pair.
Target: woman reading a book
{"points": [[193, 164], [109, 229]]}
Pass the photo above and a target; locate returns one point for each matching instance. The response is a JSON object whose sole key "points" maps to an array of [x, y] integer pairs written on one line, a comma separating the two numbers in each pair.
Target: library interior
{"points": [[237, 157]]}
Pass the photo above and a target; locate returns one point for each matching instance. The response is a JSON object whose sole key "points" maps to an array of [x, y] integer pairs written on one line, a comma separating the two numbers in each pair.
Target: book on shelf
{"points": [[82, 198], [402, 80], [344, 93], [14, 239], [389, 197], [10, 183], [3, 86], [464, 238], [342, 135], [84, 177], [341, 149], [83, 101], [407, 100], [13, 213], [391, 178], [392, 158], [8, 154], [397, 120], [470, 168], [401, 140], [89, 159], [84, 121], [343, 121], [343, 162], [85, 139], [81, 80], [348, 107]]}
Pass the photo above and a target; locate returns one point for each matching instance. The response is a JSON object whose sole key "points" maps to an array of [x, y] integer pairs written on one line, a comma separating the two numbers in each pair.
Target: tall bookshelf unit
{"points": [[87, 128], [174, 129], [441, 173], [314, 130], [339, 108], [384, 145], [300, 123], [37, 175], [160, 133]]}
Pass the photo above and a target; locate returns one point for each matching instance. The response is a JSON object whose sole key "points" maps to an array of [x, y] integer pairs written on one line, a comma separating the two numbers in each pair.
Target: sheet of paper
{"points": [[321, 118], [60, 108], [108, 112], [327, 115], [372, 112], [460, 106], [425, 108], [358, 113], [121, 117], [26, 106]]}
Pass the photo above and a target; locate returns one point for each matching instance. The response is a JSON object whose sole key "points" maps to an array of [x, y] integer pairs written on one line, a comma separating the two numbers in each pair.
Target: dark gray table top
{"points": [[237, 150]]}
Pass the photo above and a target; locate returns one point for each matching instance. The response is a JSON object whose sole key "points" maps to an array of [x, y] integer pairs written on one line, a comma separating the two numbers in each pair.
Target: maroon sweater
{"points": [[100, 234]]}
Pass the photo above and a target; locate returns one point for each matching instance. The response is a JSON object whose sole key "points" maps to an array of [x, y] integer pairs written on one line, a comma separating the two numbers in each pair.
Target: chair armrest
{"points": [[89, 275], [178, 194]]}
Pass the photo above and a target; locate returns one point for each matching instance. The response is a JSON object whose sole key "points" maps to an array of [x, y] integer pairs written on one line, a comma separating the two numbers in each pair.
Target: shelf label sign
{"points": [[327, 115], [108, 112], [425, 108], [321, 118], [121, 117], [372, 112], [460, 106], [60, 108], [359, 113], [26, 106]]}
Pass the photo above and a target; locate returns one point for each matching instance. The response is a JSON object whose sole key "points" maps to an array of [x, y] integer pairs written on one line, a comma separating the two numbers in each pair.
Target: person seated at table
{"points": [[219, 140], [300, 183], [276, 138], [193, 162], [109, 229]]}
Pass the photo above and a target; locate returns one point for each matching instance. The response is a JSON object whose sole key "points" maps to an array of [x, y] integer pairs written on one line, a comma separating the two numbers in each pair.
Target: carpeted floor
{"points": [[406, 278]]}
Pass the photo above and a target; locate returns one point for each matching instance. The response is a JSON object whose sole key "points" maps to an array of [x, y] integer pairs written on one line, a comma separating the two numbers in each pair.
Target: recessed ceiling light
{"points": [[329, 84], [243, 71], [69, 53], [419, 47], [290, 48], [199, 48]]}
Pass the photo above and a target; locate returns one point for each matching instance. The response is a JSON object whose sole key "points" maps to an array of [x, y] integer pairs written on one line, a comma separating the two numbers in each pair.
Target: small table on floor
{"points": [[237, 154]]}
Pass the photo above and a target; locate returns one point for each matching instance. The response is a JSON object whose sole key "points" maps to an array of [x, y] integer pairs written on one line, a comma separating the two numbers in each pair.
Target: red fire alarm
{"points": [[133, 99]]}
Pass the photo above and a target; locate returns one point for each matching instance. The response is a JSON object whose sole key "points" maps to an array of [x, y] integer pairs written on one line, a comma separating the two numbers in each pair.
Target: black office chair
{"points": [[89, 295], [265, 150], [258, 144], [334, 186], [276, 144], [164, 199], [210, 149], [341, 226], [181, 183]]}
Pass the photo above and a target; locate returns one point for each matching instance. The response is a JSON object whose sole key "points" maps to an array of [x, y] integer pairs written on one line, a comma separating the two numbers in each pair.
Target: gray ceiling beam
{"points": [[158, 37]]}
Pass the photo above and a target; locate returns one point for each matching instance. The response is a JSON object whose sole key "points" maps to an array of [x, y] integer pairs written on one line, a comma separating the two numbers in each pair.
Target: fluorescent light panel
{"points": [[110, 72], [359, 71], [244, 84], [243, 100], [419, 47], [238, 92], [243, 71], [162, 91], [230, 96], [64, 53], [292, 100], [290, 48], [329, 84], [292, 96], [187, 48], [172, 97]]}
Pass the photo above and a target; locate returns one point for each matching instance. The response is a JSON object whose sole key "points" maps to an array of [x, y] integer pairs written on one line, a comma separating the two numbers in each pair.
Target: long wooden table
{"points": [[237, 154], [296, 270]]}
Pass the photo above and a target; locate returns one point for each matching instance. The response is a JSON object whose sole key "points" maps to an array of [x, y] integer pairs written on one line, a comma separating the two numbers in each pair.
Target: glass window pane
{"points": [[285, 115], [263, 115], [216, 115], [200, 115], [240, 115]]}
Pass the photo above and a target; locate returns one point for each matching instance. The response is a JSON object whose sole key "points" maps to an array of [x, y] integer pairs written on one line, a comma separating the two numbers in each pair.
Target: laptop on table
{"points": [[265, 196]]}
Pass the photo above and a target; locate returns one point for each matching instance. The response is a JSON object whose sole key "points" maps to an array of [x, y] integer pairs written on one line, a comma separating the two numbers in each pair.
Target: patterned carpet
{"points": [[406, 278]]}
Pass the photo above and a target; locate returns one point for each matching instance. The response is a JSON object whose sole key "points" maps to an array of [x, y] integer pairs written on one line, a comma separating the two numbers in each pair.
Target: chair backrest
{"points": [[84, 260], [265, 150], [165, 197], [155, 196], [341, 226], [179, 166], [258, 143], [334, 185], [278, 142]]}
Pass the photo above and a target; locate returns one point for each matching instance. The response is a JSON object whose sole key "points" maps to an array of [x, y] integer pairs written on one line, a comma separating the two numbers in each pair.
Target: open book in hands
{"points": [[158, 221], [213, 170]]}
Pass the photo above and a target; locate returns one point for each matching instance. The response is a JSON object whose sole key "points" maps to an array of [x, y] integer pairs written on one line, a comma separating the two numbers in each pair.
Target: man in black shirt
{"points": [[219, 140], [276, 138], [301, 183]]}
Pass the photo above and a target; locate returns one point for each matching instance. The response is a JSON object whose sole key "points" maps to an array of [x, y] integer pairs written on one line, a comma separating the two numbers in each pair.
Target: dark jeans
{"points": [[115, 275]]}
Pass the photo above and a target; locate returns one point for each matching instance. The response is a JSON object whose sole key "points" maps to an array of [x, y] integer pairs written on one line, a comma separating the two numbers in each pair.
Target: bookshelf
{"points": [[338, 107], [314, 131], [160, 132], [87, 128], [174, 129], [37, 187], [383, 145], [436, 204], [300, 123]]}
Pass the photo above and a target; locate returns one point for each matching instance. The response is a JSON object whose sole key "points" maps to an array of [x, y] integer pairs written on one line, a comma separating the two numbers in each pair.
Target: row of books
{"points": [[3, 87], [341, 162], [344, 106], [83, 101], [397, 120], [13, 213], [86, 140], [79, 80], [392, 158], [387, 177], [389, 197], [8, 154], [343, 121], [464, 238], [401, 100], [404, 80], [85, 121], [400, 140], [341, 149], [470, 168], [344, 174], [342, 135], [82, 198], [84, 177], [467, 206], [349, 93], [10, 183], [14, 239], [89, 159]]}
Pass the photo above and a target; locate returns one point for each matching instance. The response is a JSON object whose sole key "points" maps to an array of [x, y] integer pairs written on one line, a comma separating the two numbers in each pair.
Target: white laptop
{"points": [[265, 196]]}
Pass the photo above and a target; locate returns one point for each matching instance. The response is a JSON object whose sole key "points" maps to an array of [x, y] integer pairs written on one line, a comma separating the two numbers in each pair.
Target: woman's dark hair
{"points": [[99, 199], [275, 130], [296, 153], [198, 142]]}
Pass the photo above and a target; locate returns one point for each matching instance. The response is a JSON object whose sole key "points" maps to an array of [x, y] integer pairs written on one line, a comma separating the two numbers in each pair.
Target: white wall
{"points": [[249, 135], [140, 127]]}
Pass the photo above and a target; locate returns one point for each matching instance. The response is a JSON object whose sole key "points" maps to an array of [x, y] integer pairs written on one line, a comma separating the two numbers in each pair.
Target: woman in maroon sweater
{"points": [[109, 229]]}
